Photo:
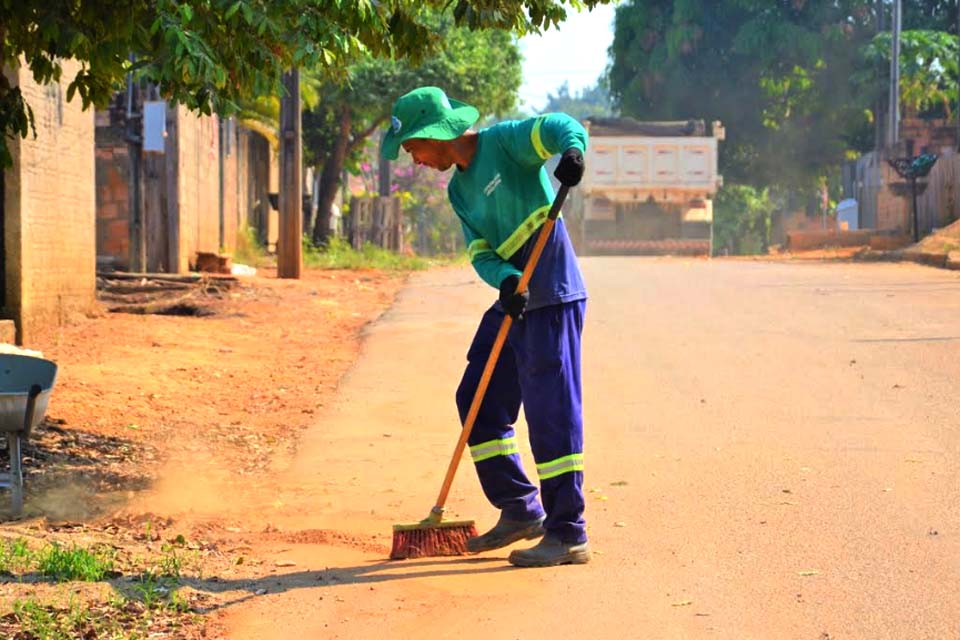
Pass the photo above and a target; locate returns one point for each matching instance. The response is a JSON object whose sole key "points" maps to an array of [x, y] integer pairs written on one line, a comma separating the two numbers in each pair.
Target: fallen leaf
{"points": [[682, 603], [619, 524], [285, 563], [808, 572], [619, 483]]}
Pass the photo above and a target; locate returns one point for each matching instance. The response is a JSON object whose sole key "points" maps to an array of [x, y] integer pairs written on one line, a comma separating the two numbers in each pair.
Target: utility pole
{"points": [[893, 132], [879, 137], [134, 139], [289, 247]]}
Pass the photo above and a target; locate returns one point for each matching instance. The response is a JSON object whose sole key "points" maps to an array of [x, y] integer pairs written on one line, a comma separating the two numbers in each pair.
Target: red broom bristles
{"points": [[431, 541]]}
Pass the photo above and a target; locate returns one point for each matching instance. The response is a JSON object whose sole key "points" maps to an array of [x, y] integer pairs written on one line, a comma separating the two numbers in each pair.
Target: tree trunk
{"points": [[330, 178]]}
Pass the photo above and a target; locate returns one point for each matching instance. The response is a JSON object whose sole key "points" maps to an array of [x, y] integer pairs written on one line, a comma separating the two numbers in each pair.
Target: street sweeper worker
{"points": [[501, 194]]}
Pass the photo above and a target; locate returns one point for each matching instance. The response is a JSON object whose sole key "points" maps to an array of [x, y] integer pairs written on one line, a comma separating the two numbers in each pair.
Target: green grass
{"points": [[339, 254], [117, 619], [15, 556], [149, 605], [249, 251], [75, 563]]}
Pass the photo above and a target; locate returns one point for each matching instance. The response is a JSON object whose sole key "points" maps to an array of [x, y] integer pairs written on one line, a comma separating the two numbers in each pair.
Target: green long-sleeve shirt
{"points": [[503, 197]]}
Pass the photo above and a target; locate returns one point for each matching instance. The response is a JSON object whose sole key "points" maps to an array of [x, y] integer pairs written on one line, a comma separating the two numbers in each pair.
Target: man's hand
{"points": [[512, 302], [570, 170]]}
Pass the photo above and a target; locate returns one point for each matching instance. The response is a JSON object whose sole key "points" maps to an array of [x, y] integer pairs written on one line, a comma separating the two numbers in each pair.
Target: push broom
{"points": [[435, 536]]}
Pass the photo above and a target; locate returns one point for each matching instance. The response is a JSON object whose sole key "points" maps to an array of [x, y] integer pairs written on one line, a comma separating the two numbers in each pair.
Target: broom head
{"points": [[431, 538]]}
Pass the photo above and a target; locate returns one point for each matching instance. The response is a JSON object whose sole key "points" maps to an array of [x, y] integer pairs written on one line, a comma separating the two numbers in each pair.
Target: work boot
{"points": [[550, 552], [506, 532]]}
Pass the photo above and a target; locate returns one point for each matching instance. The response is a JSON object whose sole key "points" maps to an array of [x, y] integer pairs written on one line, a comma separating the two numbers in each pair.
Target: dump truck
{"points": [[648, 188]]}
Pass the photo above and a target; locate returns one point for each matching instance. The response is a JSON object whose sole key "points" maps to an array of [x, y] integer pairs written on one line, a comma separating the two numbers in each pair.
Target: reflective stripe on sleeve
{"points": [[560, 466], [526, 229], [476, 248], [494, 448], [538, 141]]}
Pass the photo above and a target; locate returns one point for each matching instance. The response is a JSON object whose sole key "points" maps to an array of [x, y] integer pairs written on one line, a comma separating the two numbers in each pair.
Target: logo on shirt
{"points": [[492, 185]]}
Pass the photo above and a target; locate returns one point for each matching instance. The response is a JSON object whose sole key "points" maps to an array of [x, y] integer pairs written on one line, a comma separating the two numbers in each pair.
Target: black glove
{"points": [[570, 169], [512, 302]]}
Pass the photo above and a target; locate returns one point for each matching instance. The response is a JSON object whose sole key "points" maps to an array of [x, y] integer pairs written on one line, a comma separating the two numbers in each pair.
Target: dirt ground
{"points": [[773, 454], [151, 412]]}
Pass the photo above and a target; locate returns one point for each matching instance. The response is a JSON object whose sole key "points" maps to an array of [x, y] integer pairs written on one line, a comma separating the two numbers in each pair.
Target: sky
{"points": [[576, 52]]}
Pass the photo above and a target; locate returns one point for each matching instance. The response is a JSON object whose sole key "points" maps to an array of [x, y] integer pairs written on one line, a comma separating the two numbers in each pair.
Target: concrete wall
{"points": [[49, 211], [231, 184], [258, 172], [198, 182]]}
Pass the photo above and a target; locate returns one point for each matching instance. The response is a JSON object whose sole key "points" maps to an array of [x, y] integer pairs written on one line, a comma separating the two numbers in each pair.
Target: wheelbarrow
{"points": [[25, 386]]}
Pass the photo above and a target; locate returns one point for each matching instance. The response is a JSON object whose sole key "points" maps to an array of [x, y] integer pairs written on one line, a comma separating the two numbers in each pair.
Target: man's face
{"points": [[430, 153]]}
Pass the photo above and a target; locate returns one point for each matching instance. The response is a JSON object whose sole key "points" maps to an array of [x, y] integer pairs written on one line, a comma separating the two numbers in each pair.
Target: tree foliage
{"points": [[928, 69], [209, 54], [482, 68], [742, 219], [777, 75]]}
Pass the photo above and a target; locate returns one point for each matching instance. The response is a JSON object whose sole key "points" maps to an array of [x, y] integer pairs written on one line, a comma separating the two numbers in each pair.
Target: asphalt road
{"points": [[773, 451]]}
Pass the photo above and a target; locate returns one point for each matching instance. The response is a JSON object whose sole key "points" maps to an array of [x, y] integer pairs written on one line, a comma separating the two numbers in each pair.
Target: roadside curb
{"points": [[927, 258]]}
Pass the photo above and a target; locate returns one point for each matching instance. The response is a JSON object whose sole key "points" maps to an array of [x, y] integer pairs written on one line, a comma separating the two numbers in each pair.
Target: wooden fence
{"points": [[378, 221], [884, 197]]}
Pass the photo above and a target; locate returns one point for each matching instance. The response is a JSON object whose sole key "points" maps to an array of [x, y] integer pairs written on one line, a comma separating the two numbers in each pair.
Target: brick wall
{"points": [[181, 189], [926, 136], [113, 194], [49, 211]]}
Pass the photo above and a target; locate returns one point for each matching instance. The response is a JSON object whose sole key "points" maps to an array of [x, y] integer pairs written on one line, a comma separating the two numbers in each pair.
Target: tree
{"points": [[928, 70], [479, 67], [931, 15], [777, 75], [589, 101], [209, 54]]}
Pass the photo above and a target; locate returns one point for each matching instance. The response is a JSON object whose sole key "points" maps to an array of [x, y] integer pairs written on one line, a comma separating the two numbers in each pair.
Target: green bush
{"points": [[741, 220]]}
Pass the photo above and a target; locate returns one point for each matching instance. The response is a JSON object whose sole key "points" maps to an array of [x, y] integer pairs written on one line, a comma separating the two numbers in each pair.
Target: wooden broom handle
{"points": [[501, 339]]}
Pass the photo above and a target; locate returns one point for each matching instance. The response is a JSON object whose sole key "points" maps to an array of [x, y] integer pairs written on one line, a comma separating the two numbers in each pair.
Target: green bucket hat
{"points": [[426, 112]]}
